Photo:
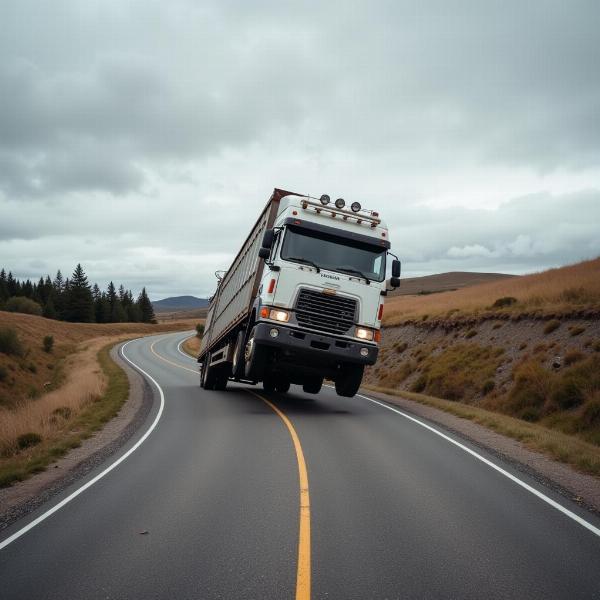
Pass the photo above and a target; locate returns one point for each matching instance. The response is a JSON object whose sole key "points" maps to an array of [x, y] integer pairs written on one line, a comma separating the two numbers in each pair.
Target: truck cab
{"points": [[319, 306]]}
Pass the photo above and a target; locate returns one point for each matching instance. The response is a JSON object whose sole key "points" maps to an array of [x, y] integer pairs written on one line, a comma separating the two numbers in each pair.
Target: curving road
{"points": [[205, 504]]}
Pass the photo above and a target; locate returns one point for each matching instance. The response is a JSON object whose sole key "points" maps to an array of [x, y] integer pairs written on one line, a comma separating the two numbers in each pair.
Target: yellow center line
{"points": [[169, 361], [303, 573]]}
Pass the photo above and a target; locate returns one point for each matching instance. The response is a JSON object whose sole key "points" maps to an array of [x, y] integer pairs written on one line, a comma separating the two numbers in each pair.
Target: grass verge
{"points": [[559, 446], [93, 416], [191, 346]]}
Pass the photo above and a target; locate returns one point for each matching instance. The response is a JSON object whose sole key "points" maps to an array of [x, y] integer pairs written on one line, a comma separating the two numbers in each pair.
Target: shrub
{"points": [[530, 391], [20, 304], [199, 330], [3, 373], [577, 331], [471, 333], [596, 346], [419, 384], [48, 343], [590, 413], [63, 411], [488, 386], [551, 326], [10, 342], [572, 357], [578, 382], [28, 440], [400, 348], [504, 302], [32, 368]]}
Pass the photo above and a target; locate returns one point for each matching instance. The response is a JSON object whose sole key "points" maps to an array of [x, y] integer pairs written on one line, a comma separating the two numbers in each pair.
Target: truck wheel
{"points": [[348, 381], [221, 380], [313, 386], [237, 367], [255, 358], [282, 386], [208, 374], [269, 385]]}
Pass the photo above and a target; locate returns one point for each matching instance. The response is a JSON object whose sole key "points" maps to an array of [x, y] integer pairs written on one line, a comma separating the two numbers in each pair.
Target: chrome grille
{"points": [[332, 314]]}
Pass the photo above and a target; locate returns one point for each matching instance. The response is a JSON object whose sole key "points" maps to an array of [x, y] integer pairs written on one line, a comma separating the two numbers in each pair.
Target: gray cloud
{"points": [[143, 84]]}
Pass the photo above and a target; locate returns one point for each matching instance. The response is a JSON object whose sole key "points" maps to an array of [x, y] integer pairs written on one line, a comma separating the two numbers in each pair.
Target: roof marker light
{"points": [[325, 199], [356, 207], [340, 203]]}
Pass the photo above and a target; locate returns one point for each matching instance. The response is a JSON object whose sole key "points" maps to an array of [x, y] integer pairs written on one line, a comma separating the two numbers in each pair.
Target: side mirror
{"points": [[395, 282], [267, 241], [396, 268], [264, 253]]}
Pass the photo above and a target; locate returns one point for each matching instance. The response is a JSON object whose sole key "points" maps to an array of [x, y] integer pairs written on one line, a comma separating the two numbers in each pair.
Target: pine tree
{"points": [[3, 286], [79, 306], [12, 285], [145, 307], [58, 295]]}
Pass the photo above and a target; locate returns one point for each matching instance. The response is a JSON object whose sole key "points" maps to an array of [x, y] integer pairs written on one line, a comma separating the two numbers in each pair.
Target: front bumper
{"points": [[317, 347]]}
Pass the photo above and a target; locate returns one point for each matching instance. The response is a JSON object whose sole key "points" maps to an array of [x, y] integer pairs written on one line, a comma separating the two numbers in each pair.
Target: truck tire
{"points": [[255, 358], [238, 364], [208, 374], [282, 385], [348, 381], [221, 379], [269, 385], [313, 386]]}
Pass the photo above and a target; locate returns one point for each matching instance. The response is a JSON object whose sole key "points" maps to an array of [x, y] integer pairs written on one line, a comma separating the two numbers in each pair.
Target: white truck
{"points": [[302, 300]]}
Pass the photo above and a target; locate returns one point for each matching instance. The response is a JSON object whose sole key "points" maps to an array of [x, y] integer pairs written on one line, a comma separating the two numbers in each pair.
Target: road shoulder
{"points": [[23, 497], [578, 487]]}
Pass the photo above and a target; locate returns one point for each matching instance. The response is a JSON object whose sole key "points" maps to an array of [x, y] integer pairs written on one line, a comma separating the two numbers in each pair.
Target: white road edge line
{"points": [[108, 469], [185, 353], [494, 466]]}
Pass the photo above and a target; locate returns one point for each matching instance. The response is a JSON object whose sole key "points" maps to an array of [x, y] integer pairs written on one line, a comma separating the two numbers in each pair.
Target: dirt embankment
{"points": [[541, 371]]}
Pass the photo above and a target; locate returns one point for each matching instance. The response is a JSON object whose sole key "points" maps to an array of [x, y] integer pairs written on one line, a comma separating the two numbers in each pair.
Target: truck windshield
{"points": [[334, 253]]}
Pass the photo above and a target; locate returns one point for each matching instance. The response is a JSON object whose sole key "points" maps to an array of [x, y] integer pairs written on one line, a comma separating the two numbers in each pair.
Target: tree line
{"points": [[74, 299]]}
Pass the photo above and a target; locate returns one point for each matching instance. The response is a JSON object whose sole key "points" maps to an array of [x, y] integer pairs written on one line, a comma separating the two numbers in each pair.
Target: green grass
{"points": [[92, 418], [562, 447]]}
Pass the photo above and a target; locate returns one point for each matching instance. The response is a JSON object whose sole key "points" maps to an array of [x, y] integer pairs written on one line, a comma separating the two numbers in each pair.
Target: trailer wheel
{"points": [[237, 368], [348, 382], [255, 358], [282, 386], [313, 386], [269, 385], [221, 380]]}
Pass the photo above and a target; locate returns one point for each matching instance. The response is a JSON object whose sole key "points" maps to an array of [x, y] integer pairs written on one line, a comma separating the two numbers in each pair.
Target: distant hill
{"points": [[445, 282], [179, 303]]}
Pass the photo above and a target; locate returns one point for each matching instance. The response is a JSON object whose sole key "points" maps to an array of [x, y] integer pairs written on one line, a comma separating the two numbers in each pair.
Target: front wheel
{"points": [[347, 383], [255, 358], [313, 386]]}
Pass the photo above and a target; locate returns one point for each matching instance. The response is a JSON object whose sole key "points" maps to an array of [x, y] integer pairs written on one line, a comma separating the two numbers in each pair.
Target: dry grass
{"points": [[564, 448], [63, 422], [192, 346], [555, 291], [36, 371]]}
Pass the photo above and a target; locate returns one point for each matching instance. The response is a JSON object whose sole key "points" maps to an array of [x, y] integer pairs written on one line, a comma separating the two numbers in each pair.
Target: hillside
{"points": [[179, 303], [565, 290], [444, 282], [52, 398], [535, 357]]}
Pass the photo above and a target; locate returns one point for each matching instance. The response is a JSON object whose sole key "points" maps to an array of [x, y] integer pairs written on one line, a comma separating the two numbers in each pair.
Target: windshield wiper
{"points": [[356, 271], [305, 260]]}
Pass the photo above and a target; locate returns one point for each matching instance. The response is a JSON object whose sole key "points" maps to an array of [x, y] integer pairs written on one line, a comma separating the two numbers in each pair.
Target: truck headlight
{"points": [[363, 333], [283, 316]]}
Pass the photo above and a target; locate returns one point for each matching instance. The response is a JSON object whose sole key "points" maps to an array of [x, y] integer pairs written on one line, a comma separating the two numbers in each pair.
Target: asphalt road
{"points": [[208, 506]]}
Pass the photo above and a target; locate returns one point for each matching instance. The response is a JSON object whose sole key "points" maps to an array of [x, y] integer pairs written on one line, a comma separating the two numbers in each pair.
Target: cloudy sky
{"points": [[141, 138]]}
